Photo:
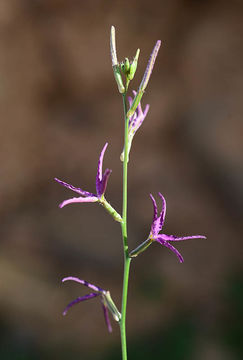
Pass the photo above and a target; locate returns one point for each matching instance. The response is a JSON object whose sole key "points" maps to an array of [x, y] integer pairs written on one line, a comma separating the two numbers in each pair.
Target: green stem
{"points": [[127, 262], [127, 259], [124, 209]]}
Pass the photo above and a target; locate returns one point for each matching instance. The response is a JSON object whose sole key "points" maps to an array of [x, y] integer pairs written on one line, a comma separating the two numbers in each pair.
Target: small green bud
{"points": [[118, 79], [133, 66], [122, 66], [127, 65]]}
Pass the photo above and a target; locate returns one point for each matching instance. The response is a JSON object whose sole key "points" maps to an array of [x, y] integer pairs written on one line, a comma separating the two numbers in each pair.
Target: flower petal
{"points": [[137, 119], [78, 300], [99, 170], [78, 200], [132, 123], [103, 183], [172, 248], [73, 188], [83, 282], [100, 162], [106, 315], [163, 210], [158, 221], [175, 238], [155, 207], [146, 109], [130, 100]]}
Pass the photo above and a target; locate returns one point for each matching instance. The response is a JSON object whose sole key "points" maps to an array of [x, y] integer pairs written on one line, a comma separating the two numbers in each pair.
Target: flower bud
{"points": [[114, 61], [133, 66]]}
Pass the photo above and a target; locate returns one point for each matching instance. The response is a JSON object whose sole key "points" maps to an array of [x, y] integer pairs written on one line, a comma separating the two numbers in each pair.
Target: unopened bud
{"points": [[133, 66], [145, 79], [114, 61], [150, 66]]}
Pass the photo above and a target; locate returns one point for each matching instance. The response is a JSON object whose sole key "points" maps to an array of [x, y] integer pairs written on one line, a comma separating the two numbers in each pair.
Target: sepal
{"points": [[118, 78], [107, 301], [142, 247], [135, 103], [125, 66]]}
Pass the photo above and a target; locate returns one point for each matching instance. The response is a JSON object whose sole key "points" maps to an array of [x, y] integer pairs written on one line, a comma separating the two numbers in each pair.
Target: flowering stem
{"points": [[127, 259]]}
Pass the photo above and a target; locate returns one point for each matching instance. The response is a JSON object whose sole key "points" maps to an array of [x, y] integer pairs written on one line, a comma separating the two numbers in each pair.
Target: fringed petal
{"points": [[107, 319], [155, 207], [163, 210], [103, 183], [175, 238], [78, 300], [172, 248], [100, 163], [73, 188], [83, 282]]}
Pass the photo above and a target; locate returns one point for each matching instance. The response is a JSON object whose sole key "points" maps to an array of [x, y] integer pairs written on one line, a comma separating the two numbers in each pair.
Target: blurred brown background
{"points": [[59, 105]]}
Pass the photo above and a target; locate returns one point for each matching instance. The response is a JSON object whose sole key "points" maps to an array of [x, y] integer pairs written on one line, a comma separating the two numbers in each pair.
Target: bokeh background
{"points": [[59, 105]]}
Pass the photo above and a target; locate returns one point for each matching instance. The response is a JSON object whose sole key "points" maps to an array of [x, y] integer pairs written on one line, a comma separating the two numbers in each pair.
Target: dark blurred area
{"points": [[59, 105]]}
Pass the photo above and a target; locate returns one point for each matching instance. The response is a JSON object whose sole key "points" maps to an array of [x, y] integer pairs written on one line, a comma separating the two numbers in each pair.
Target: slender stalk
{"points": [[127, 259], [124, 209]]}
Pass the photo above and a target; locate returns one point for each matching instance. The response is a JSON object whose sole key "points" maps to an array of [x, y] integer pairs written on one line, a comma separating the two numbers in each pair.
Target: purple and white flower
{"points": [[135, 121], [101, 184], [106, 301], [163, 239]]}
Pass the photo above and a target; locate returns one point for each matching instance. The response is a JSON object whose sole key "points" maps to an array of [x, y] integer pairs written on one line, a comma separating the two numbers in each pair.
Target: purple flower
{"points": [[101, 183], [106, 301], [135, 121], [163, 239]]}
